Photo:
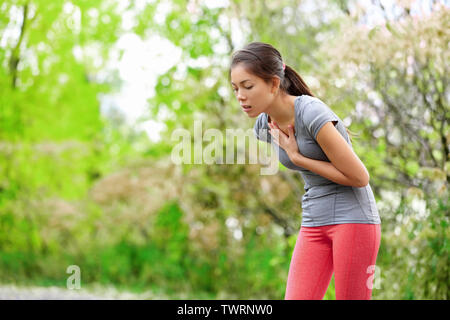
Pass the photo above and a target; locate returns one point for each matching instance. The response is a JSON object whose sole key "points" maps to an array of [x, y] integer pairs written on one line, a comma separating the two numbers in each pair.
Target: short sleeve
{"points": [[315, 115], [261, 130]]}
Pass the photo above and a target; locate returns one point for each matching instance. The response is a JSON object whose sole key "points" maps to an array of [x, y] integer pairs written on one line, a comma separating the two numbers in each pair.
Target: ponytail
{"points": [[294, 84]]}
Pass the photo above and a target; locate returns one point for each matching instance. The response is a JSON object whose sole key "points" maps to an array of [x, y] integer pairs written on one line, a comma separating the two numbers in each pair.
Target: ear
{"points": [[275, 84]]}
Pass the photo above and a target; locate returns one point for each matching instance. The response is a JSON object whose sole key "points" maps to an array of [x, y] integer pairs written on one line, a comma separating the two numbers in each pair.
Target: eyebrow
{"points": [[241, 81]]}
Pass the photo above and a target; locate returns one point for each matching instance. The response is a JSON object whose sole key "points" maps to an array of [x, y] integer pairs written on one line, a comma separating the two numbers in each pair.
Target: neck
{"points": [[282, 110]]}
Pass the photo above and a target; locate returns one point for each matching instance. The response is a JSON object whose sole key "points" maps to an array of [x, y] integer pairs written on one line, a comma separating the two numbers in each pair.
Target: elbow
{"points": [[362, 182]]}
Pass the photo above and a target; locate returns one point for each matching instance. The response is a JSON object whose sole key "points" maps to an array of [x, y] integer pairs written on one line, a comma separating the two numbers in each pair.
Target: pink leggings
{"points": [[349, 249]]}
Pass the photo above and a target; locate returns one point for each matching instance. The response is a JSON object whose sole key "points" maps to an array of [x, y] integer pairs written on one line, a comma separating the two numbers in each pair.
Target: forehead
{"points": [[239, 73]]}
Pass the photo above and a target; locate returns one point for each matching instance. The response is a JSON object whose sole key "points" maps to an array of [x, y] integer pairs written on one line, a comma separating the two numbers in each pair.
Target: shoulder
{"points": [[261, 128], [304, 103], [314, 113], [261, 122], [311, 106]]}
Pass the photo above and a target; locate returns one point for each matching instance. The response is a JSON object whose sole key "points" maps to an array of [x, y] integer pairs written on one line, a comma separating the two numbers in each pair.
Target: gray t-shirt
{"points": [[324, 202]]}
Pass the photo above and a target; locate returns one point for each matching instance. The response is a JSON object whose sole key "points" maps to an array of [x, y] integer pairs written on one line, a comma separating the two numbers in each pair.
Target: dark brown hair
{"points": [[264, 61]]}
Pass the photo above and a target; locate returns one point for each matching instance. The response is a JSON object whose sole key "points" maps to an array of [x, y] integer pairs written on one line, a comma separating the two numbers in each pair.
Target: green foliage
{"points": [[420, 248]]}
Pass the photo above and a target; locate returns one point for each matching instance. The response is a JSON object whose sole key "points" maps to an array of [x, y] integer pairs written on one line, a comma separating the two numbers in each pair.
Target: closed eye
{"points": [[234, 89]]}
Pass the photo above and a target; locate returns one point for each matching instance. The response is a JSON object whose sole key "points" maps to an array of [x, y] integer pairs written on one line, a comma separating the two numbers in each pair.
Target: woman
{"points": [[340, 230]]}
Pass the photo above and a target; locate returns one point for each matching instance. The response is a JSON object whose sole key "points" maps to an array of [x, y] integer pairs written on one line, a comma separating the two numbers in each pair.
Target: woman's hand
{"points": [[287, 142]]}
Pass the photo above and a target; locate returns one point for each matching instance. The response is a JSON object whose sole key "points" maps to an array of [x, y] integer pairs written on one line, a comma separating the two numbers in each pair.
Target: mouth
{"points": [[246, 108]]}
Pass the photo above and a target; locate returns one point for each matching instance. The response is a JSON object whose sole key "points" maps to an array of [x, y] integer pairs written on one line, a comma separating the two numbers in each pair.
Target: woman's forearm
{"points": [[323, 168]]}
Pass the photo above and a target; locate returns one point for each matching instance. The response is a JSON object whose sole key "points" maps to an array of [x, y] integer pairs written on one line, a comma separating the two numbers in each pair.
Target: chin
{"points": [[254, 114]]}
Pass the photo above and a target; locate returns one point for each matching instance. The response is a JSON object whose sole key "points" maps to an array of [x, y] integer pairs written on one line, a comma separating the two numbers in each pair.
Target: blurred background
{"points": [[91, 90]]}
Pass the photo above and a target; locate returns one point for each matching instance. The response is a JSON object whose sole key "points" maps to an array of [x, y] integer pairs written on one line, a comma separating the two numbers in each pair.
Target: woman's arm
{"points": [[325, 169]]}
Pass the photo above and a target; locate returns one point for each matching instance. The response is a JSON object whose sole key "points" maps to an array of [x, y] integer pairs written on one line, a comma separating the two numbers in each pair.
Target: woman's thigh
{"points": [[311, 265], [355, 249]]}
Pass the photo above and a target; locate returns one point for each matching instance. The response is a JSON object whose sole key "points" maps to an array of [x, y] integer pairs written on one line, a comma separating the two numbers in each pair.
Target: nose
{"points": [[239, 96]]}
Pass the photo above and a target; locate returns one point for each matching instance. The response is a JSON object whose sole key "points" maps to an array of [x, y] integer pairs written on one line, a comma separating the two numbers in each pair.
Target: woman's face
{"points": [[250, 90]]}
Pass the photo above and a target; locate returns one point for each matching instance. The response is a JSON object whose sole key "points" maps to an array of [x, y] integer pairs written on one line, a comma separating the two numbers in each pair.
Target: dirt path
{"points": [[11, 292]]}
